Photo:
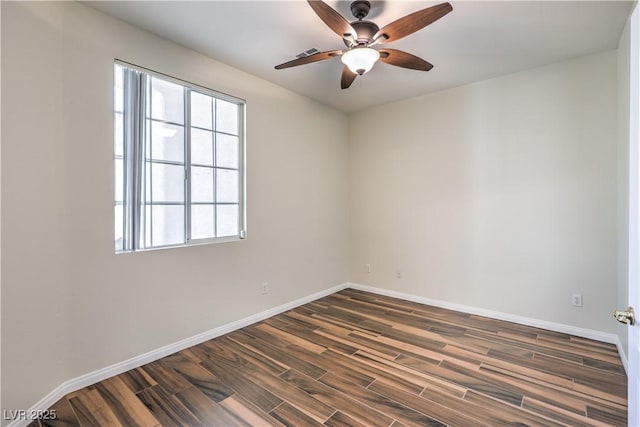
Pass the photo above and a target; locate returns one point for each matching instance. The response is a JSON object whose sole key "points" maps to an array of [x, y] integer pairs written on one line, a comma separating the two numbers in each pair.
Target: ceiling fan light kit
{"points": [[360, 59], [360, 36]]}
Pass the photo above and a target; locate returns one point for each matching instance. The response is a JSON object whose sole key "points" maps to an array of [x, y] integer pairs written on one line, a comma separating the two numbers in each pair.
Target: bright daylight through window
{"points": [[179, 163]]}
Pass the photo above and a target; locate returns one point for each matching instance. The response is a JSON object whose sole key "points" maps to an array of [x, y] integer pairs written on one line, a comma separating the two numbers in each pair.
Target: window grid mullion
{"points": [[214, 104], [211, 167], [187, 165], [165, 122], [206, 203], [240, 176], [126, 223], [164, 204], [219, 131], [166, 162], [150, 165]]}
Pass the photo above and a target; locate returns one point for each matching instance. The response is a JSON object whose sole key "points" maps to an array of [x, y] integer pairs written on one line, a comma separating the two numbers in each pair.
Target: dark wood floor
{"points": [[359, 359]]}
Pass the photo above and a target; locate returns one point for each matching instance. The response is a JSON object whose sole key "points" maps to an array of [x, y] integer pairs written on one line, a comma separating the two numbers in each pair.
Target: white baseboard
{"points": [[528, 321], [153, 355], [137, 361], [623, 355]]}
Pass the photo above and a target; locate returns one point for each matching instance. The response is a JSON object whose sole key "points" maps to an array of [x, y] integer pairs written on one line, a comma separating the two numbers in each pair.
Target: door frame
{"points": [[633, 348]]}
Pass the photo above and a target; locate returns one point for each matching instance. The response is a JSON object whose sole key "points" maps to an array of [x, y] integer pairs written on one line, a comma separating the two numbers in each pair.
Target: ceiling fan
{"points": [[360, 36]]}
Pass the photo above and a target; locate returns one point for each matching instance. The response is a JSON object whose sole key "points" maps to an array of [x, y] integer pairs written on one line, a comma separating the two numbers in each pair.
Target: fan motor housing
{"points": [[366, 30]]}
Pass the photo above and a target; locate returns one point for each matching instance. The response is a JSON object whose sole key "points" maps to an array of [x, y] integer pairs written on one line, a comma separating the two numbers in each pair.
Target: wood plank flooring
{"points": [[360, 359]]}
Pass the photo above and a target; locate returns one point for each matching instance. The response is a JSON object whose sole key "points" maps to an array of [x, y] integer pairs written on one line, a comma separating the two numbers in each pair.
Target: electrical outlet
{"points": [[368, 267], [398, 274], [576, 300], [265, 288]]}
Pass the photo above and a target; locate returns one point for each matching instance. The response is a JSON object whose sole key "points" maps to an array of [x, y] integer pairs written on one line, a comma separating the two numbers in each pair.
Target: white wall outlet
{"points": [[398, 274], [576, 300], [368, 267], [265, 288]]}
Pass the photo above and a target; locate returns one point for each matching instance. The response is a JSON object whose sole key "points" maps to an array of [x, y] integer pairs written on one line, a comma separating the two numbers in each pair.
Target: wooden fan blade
{"points": [[333, 19], [320, 56], [412, 23], [404, 59], [347, 78]]}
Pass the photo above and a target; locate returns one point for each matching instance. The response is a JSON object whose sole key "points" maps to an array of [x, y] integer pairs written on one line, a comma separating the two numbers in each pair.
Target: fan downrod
{"points": [[360, 9]]}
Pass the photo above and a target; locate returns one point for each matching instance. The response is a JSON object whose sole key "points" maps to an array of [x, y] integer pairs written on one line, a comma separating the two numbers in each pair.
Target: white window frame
{"points": [[191, 87]]}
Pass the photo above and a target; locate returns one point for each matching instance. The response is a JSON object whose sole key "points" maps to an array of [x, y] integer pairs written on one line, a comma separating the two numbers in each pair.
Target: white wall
{"points": [[69, 304], [622, 300], [501, 194]]}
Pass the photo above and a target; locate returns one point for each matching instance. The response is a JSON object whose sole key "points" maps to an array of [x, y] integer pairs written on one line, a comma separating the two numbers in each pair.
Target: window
{"points": [[179, 162]]}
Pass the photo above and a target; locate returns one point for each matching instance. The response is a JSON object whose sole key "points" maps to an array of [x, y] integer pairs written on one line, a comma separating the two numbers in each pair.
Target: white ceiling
{"points": [[476, 41]]}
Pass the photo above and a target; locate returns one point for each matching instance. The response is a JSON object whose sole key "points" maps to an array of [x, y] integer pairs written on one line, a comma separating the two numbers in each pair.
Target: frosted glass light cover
{"points": [[360, 59]]}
